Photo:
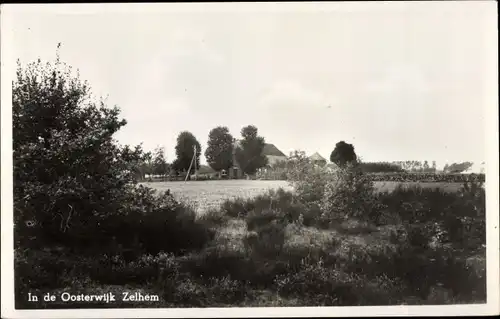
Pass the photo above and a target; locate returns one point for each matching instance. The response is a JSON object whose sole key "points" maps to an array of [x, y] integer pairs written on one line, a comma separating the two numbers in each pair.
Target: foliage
{"points": [[67, 167], [73, 180], [379, 167], [343, 154], [417, 166], [349, 194], [160, 166], [426, 177], [249, 153], [307, 179], [184, 151], [145, 166], [219, 152]]}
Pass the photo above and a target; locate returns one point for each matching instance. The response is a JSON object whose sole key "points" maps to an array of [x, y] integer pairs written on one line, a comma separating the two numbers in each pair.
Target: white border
{"points": [[7, 60]]}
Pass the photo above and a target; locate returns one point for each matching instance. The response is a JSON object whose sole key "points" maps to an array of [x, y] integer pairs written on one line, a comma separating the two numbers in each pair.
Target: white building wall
{"points": [[272, 159]]}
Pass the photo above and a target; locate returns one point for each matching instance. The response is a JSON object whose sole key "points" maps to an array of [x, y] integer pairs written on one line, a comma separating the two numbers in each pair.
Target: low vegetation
{"points": [[82, 224], [407, 246]]}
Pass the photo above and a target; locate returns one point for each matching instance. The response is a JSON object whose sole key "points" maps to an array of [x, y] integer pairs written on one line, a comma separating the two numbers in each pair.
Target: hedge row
{"points": [[402, 177]]}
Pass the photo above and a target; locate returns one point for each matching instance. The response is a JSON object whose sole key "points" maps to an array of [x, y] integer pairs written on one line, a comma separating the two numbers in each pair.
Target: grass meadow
{"points": [[206, 195]]}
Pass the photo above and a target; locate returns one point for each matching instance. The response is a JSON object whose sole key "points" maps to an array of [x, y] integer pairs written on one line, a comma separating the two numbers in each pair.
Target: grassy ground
{"points": [[426, 247], [206, 195]]}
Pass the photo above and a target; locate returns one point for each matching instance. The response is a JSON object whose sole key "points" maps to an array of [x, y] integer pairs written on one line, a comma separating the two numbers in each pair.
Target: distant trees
{"points": [[417, 166], [457, 167], [184, 151], [249, 153], [380, 167], [343, 154], [160, 166], [219, 152]]}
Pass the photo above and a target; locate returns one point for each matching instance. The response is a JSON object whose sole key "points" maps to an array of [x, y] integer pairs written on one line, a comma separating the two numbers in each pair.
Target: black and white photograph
{"points": [[249, 159]]}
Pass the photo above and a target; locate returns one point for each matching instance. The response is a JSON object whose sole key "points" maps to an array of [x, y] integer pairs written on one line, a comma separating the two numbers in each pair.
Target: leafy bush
{"points": [[308, 180], [214, 218], [236, 208], [72, 179], [350, 194], [325, 286], [67, 168], [268, 239], [459, 216]]}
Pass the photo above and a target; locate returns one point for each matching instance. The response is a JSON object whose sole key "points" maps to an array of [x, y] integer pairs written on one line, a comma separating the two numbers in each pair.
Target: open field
{"points": [[210, 194]]}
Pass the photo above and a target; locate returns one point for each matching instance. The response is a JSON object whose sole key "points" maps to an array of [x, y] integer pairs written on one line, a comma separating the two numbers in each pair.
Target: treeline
{"points": [[426, 177], [220, 154], [397, 177], [380, 167]]}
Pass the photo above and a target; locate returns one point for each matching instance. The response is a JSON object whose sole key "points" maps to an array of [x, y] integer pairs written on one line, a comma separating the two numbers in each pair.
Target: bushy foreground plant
{"points": [[349, 194], [75, 187], [73, 183], [308, 180]]}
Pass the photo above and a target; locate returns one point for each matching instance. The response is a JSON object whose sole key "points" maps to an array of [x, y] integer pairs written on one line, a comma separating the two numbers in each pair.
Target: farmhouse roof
{"points": [[205, 169], [317, 157], [269, 149]]}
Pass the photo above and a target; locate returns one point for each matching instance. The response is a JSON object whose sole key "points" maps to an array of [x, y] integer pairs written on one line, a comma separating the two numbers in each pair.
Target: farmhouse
{"points": [[273, 154], [317, 159]]}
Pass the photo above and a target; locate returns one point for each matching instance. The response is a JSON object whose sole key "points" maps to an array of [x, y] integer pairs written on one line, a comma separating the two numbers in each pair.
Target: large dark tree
{"points": [[184, 151], [249, 153], [219, 152], [343, 154], [68, 170]]}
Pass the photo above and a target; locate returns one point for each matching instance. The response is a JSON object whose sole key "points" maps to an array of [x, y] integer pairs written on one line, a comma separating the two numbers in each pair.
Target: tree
{"points": [[68, 170], [434, 167], [343, 154], [219, 152], [184, 151], [426, 167], [249, 153], [145, 166], [160, 166]]}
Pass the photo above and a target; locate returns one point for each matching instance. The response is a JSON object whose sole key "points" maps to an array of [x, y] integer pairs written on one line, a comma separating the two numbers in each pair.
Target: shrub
{"points": [[235, 208], [320, 285], [213, 218], [349, 195], [217, 262], [257, 219], [67, 167], [268, 240], [146, 223], [307, 179], [75, 187]]}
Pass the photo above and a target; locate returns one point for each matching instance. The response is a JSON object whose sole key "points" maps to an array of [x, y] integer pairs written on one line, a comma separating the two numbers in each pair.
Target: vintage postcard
{"points": [[325, 159]]}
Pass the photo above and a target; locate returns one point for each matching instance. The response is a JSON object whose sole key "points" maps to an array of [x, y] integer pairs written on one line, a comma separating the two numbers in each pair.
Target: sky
{"points": [[400, 81]]}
